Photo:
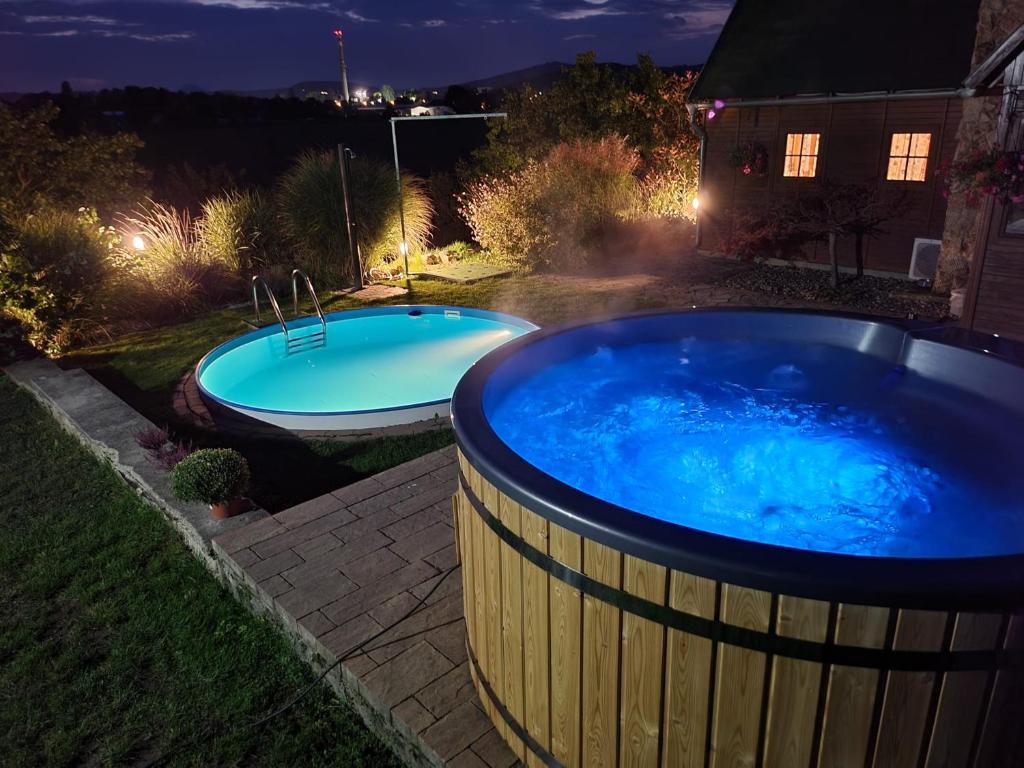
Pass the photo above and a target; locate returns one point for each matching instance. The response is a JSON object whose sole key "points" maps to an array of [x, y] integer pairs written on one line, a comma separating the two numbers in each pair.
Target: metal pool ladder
{"points": [[293, 343]]}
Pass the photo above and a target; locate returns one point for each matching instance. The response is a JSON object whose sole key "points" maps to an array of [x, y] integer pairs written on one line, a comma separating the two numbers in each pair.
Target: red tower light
{"points": [[338, 33]]}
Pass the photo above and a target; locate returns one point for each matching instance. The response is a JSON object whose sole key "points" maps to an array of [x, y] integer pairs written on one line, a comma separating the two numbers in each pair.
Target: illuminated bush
{"points": [[173, 276], [312, 215], [239, 228], [50, 265], [552, 214]]}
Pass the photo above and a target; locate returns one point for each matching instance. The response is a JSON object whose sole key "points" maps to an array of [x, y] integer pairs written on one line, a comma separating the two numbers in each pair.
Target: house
{"points": [[431, 110], [850, 91]]}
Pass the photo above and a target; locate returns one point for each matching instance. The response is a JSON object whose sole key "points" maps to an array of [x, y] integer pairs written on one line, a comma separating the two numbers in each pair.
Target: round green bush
{"points": [[212, 476]]}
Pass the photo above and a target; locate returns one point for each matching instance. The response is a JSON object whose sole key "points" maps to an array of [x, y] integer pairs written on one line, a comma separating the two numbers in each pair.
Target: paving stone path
{"points": [[343, 567]]}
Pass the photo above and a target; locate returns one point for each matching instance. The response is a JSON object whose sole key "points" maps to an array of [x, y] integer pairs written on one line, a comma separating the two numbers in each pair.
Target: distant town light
{"points": [[138, 243]]}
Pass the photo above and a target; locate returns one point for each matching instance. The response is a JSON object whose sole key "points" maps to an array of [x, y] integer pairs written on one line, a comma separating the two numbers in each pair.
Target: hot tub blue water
{"points": [[377, 368], [794, 442]]}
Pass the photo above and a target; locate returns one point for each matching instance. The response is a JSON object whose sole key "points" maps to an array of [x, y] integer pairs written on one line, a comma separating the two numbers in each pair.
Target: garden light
{"points": [[696, 203], [138, 243]]}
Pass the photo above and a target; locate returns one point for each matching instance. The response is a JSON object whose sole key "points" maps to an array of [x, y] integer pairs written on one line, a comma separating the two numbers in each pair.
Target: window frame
{"points": [[910, 131], [818, 155]]}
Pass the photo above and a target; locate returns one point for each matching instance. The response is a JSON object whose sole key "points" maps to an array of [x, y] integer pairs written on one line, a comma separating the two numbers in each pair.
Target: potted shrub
{"points": [[214, 476]]}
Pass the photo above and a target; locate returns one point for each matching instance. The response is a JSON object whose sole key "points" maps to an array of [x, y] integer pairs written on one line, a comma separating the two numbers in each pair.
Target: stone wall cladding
{"points": [[997, 19]]}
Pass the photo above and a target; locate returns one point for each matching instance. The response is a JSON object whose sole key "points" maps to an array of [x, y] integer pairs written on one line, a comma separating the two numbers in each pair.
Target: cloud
{"points": [[435, 23], [146, 37], [578, 14], [358, 17], [703, 18], [263, 5], [104, 21], [581, 36]]}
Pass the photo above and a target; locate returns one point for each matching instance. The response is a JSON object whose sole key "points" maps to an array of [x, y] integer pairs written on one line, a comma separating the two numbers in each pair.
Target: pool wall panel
{"points": [[574, 670]]}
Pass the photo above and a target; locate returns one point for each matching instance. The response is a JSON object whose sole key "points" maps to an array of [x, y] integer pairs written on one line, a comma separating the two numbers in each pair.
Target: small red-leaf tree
{"points": [[848, 210]]}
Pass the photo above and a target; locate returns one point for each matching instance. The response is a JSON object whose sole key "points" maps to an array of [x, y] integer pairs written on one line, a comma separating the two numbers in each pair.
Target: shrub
{"points": [[50, 266], [505, 218], [238, 228], [553, 212], [313, 215], [211, 476], [173, 276], [775, 231]]}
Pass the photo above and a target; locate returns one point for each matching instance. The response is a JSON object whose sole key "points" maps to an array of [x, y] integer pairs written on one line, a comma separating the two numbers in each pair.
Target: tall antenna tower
{"points": [[339, 35]]}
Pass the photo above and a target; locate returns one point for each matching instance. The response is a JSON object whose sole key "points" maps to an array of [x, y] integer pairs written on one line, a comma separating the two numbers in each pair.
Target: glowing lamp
{"points": [[711, 114], [719, 104], [696, 203], [138, 243], [403, 248]]}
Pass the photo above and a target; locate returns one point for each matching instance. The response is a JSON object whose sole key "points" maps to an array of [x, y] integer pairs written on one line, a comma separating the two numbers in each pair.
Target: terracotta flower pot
{"points": [[229, 508]]}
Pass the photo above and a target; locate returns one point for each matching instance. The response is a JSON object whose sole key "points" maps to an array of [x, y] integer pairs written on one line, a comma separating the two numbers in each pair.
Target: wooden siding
{"points": [[855, 140]]}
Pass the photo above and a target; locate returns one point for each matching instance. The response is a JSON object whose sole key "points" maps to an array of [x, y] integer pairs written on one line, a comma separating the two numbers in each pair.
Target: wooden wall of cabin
{"points": [[855, 142]]}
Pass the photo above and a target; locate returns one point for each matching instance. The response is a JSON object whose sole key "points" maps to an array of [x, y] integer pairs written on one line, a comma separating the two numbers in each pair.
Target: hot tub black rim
{"points": [[990, 583]]}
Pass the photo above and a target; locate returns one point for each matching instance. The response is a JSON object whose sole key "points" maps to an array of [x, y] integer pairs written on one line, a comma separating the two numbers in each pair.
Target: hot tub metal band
{"points": [[778, 645]]}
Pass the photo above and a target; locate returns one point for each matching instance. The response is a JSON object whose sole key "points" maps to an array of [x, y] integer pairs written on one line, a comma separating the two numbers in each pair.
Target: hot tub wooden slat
{"points": [[687, 676], [536, 643], [908, 694], [512, 622], [950, 742], [1001, 735], [740, 680], [793, 700], [492, 609], [566, 628], [642, 672], [601, 632], [606, 659], [480, 643]]}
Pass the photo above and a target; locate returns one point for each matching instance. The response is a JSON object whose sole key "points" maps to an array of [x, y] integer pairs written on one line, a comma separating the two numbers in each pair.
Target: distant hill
{"points": [[543, 76]]}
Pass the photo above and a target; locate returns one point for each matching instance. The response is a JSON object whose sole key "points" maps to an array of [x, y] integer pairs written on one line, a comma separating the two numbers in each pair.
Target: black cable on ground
{"points": [[161, 759]]}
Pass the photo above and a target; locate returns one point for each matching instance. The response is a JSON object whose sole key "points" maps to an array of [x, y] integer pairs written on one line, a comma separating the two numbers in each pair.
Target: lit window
{"points": [[801, 154], [908, 156]]}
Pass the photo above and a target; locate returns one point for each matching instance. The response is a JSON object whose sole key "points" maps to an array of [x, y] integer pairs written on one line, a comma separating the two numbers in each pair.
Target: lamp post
{"points": [[344, 156], [403, 247]]}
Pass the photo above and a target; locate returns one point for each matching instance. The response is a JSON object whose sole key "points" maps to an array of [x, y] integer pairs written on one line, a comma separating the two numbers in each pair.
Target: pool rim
{"points": [[992, 582], [309, 320]]}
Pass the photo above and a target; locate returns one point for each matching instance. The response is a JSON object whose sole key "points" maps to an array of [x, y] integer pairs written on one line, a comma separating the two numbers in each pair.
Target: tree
{"points": [[388, 94], [845, 210], [41, 168], [593, 101]]}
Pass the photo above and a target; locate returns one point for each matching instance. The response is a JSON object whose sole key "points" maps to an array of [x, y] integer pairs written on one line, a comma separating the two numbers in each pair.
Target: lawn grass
{"points": [[117, 647]]}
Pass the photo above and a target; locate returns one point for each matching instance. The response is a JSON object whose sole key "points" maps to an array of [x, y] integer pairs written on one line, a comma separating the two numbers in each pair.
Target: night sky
{"points": [[253, 44]]}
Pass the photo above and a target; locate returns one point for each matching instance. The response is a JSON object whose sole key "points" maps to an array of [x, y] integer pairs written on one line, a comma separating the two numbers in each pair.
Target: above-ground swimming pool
{"points": [[371, 368], [745, 537]]}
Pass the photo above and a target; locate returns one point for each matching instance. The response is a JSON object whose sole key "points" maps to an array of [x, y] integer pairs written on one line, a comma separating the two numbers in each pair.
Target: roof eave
{"points": [[828, 98]]}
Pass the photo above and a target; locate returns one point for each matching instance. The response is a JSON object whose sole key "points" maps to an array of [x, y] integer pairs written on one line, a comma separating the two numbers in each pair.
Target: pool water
{"points": [[372, 360], [794, 444]]}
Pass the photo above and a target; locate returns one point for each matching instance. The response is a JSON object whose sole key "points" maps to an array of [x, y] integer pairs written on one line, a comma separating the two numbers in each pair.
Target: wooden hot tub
{"points": [[601, 637]]}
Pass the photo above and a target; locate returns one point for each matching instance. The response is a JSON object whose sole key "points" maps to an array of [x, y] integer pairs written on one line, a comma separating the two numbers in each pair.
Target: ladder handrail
{"points": [[296, 274], [256, 282]]}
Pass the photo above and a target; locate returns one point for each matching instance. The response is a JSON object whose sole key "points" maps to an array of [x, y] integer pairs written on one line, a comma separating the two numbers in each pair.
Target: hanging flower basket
{"points": [[750, 158], [992, 172]]}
